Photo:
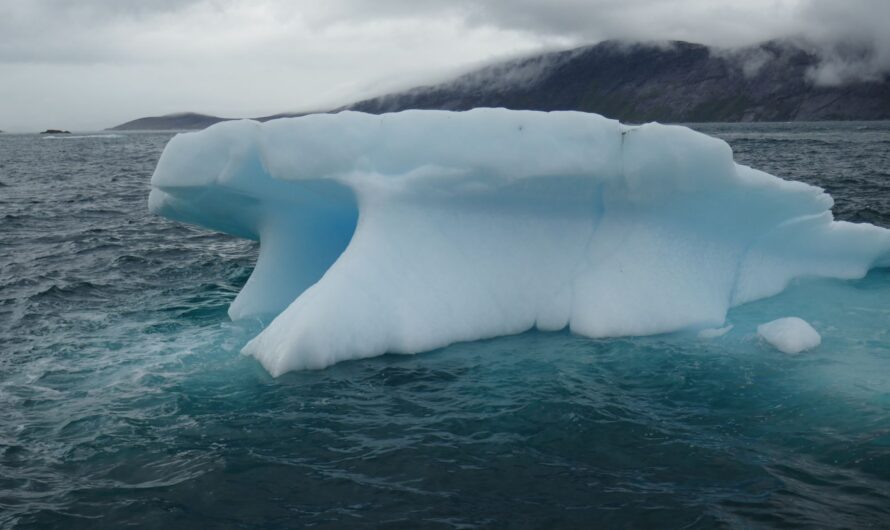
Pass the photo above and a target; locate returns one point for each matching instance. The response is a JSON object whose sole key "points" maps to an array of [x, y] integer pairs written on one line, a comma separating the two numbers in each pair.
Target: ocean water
{"points": [[124, 400]]}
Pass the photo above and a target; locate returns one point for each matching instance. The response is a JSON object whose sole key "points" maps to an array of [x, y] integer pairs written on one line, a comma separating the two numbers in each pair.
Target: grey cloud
{"points": [[77, 31], [223, 56], [68, 31], [851, 37], [593, 20]]}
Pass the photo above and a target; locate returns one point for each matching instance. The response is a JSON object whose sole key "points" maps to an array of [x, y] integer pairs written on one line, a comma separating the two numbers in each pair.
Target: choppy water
{"points": [[124, 400]]}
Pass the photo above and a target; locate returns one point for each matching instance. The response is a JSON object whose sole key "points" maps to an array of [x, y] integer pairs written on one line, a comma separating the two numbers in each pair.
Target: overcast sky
{"points": [[91, 64]]}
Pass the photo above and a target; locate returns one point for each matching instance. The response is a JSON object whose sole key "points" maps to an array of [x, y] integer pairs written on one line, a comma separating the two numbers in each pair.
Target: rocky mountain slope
{"points": [[670, 82], [667, 82]]}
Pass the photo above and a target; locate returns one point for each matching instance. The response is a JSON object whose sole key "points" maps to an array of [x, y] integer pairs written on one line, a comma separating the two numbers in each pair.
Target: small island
{"points": [[55, 131]]}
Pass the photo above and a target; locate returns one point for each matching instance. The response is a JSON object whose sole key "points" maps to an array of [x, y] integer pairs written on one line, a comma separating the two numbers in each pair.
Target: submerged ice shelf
{"points": [[409, 231]]}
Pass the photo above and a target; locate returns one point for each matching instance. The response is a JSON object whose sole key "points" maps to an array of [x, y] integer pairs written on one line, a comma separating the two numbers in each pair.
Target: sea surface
{"points": [[124, 400]]}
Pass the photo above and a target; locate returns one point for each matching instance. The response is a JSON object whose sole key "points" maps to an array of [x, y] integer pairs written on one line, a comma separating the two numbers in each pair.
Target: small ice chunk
{"points": [[790, 334], [713, 333]]}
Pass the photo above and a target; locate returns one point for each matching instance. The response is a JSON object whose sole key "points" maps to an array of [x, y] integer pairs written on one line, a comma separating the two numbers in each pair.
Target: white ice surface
{"points": [[409, 231], [790, 335]]}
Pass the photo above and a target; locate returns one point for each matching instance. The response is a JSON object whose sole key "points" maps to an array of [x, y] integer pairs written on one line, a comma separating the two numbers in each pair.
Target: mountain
{"points": [[184, 121], [179, 121], [636, 82], [670, 82]]}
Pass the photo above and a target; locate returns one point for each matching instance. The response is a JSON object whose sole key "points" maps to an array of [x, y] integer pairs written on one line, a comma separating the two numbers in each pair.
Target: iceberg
{"points": [[409, 231]]}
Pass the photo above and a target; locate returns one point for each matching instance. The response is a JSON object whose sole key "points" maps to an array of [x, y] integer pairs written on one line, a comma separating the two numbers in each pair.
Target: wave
{"points": [[80, 136]]}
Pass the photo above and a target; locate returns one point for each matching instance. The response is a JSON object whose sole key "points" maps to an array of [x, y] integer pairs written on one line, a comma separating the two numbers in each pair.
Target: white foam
{"points": [[80, 136], [714, 333]]}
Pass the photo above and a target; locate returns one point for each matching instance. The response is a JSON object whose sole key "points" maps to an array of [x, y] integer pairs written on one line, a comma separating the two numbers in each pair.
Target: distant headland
{"points": [[55, 131], [636, 82], [183, 121], [179, 121]]}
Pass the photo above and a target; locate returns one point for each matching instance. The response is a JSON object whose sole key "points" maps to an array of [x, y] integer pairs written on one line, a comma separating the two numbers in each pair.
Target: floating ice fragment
{"points": [[790, 335]]}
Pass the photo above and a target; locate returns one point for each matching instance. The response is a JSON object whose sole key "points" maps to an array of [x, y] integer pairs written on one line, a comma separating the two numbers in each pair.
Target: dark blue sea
{"points": [[124, 400]]}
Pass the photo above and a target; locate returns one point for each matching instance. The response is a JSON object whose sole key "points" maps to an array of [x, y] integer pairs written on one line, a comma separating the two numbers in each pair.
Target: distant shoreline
{"points": [[161, 129]]}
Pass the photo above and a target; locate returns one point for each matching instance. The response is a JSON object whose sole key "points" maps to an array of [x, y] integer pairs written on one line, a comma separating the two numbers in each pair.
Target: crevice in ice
{"points": [[584, 261], [302, 227]]}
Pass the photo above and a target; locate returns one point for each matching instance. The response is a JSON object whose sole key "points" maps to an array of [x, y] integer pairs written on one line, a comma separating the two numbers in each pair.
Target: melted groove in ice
{"points": [[409, 231]]}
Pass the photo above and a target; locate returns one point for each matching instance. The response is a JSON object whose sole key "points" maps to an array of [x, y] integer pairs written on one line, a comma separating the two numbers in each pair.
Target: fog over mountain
{"points": [[87, 64], [636, 82], [669, 82]]}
